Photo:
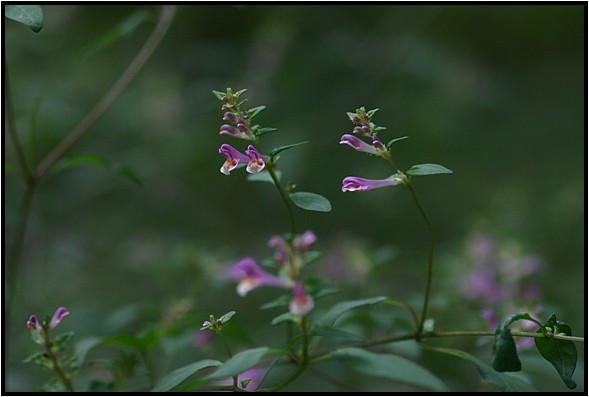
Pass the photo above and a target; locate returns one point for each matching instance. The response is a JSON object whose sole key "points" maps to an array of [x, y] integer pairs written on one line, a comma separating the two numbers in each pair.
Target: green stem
{"points": [[228, 350], [430, 229], [283, 195], [108, 99], [63, 378]]}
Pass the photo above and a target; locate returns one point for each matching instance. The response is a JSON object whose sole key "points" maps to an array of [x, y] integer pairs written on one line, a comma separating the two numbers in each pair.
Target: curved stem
{"points": [[63, 378], [108, 99], [430, 229]]}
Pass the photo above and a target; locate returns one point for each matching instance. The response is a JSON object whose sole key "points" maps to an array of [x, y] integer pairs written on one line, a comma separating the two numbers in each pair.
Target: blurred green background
{"points": [[494, 92]]}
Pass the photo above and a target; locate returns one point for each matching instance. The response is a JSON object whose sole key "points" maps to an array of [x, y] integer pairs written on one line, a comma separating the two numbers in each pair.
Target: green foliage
{"points": [[504, 350], [503, 382], [239, 363], [395, 140], [179, 375], [389, 366], [341, 308], [428, 169], [98, 161], [310, 201], [274, 152], [29, 15], [562, 354]]}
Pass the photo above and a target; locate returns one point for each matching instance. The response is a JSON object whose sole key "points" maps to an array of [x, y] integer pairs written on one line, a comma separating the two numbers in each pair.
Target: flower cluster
{"points": [[289, 257], [364, 127], [500, 282], [239, 126], [40, 329]]}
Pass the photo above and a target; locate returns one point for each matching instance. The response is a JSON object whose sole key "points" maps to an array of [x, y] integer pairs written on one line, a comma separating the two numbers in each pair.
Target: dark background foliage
{"points": [[494, 92]]}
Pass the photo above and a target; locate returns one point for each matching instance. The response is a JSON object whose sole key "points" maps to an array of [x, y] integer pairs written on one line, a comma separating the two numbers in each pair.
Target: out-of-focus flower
{"points": [[248, 380], [60, 313], [301, 303], [251, 275], [233, 158], [236, 132], [203, 338], [280, 249], [354, 183], [304, 242], [33, 323], [256, 160], [482, 285]]}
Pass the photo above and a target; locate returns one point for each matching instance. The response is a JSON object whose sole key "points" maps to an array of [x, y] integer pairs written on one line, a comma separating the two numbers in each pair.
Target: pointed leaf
{"points": [[503, 382], [253, 112], [29, 15], [562, 354], [390, 143], [227, 316], [337, 336], [239, 363], [284, 317], [505, 353], [179, 375], [277, 150], [310, 201], [261, 131], [389, 366], [428, 169], [340, 308]]}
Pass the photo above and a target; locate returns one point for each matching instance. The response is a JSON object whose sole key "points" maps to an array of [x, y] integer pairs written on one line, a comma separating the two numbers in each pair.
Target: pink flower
{"points": [[301, 303], [251, 275], [256, 163], [354, 183], [233, 158], [238, 132], [357, 144]]}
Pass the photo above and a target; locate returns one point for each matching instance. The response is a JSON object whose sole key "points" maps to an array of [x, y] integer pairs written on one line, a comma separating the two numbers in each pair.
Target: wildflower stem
{"points": [[430, 229], [283, 195], [63, 378]]}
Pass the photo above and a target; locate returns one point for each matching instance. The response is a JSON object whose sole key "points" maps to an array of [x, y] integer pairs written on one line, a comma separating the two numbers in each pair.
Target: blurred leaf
{"points": [[281, 301], [239, 363], [277, 150], [253, 112], [263, 176], [29, 15], [503, 382], [123, 29], [261, 131], [336, 336], [428, 169], [93, 160], [83, 346], [61, 340], [9, 169], [310, 201], [389, 366], [40, 359], [340, 308], [227, 316], [284, 317], [179, 375], [562, 354]]}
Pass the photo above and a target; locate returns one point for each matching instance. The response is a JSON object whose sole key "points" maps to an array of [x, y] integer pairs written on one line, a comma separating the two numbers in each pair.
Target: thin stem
{"points": [[65, 380], [228, 350], [430, 229], [108, 99], [283, 195]]}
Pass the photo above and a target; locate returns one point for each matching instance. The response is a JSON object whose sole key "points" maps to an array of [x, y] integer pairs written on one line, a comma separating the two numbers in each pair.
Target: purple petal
{"points": [[354, 183], [357, 144], [33, 323], [256, 160], [60, 313], [301, 303]]}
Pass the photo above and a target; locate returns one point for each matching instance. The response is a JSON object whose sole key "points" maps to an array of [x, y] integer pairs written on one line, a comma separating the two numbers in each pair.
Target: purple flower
{"points": [[280, 253], [203, 338], [248, 380], [304, 242], [357, 144], [256, 163], [60, 313], [482, 285], [242, 133], [251, 275], [233, 157], [301, 303], [490, 318], [354, 183], [33, 323]]}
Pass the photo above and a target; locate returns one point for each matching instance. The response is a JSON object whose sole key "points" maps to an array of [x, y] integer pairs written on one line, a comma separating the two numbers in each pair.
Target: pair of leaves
{"points": [[562, 354], [29, 15], [236, 365]]}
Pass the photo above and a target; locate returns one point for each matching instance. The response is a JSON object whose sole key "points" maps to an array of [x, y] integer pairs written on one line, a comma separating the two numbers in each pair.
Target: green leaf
{"points": [[239, 363], [261, 131], [337, 336], [428, 169], [503, 382], [389, 366], [390, 143], [310, 201], [61, 340], [179, 375], [277, 150], [93, 160], [504, 352], [263, 176], [29, 15], [227, 316], [39, 358], [562, 354], [284, 317], [281, 301], [83, 346], [340, 308], [253, 112], [129, 173]]}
